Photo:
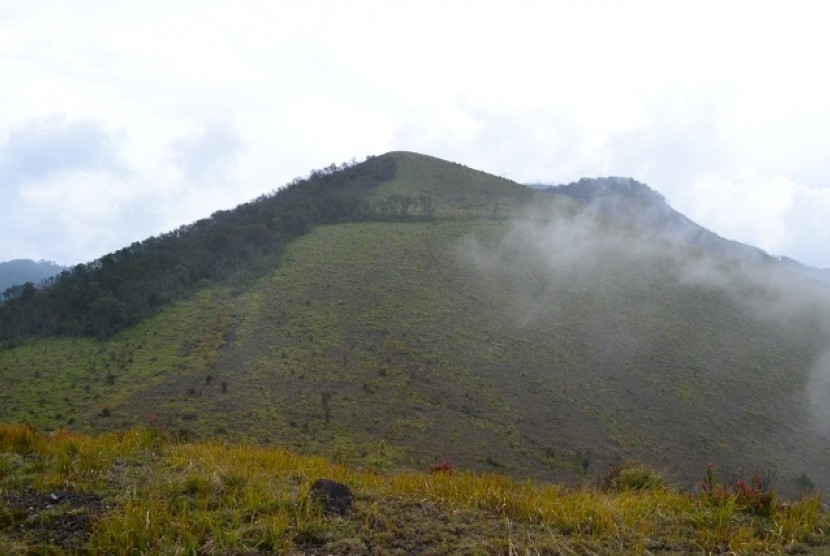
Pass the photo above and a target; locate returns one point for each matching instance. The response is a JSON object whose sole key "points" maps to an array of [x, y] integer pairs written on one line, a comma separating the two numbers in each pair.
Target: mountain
{"points": [[628, 199], [407, 310], [20, 271]]}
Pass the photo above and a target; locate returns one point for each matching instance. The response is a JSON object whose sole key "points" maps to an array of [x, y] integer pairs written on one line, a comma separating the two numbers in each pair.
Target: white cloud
{"points": [[89, 205], [43, 147], [735, 208], [208, 151], [202, 105], [805, 220]]}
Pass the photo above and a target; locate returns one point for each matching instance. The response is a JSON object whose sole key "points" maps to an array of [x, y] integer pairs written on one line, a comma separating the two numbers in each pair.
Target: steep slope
{"points": [[534, 338], [123, 288]]}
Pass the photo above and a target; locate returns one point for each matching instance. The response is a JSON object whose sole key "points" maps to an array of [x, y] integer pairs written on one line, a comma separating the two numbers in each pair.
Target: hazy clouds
{"points": [[41, 148], [205, 153], [543, 263], [155, 114]]}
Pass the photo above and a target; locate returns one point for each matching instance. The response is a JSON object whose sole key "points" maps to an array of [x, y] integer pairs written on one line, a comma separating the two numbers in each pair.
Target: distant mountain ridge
{"points": [[634, 201], [20, 271]]}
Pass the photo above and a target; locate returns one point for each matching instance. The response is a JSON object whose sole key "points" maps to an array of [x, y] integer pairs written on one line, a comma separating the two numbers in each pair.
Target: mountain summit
{"points": [[635, 202], [609, 192]]}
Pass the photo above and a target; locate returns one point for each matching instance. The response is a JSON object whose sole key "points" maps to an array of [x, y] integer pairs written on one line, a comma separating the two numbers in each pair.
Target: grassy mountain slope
{"points": [[511, 331], [455, 189]]}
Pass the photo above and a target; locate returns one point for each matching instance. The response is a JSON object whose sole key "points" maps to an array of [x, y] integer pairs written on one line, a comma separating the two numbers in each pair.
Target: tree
{"points": [[107, 315], [426, 203], [401, 204], [103, 296], [23, 292], [325, 397]]}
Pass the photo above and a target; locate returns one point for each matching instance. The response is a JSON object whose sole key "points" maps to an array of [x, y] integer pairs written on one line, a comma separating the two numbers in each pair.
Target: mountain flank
{"points": [[408, 310], [630, 200]]}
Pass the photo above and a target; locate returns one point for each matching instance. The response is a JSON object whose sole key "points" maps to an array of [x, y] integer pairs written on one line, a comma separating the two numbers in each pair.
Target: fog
{"points": [[547, 258]]}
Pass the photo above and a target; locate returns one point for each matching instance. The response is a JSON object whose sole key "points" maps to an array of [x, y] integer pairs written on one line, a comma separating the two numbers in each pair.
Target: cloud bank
{"points": [[163, 113]]}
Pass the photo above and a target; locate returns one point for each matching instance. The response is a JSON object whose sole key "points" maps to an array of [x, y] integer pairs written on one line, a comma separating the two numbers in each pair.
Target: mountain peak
{"points": [[628, 200], [610, 190]]}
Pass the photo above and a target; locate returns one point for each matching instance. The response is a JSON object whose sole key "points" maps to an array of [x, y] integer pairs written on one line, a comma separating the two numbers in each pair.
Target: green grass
{"points": [[384, 345], [415, 345], [458, 191], [142, 492], [60, 382]]}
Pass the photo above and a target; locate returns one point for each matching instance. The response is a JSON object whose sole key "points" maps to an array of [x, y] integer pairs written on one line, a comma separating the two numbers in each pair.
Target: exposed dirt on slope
{"points": [[58, 519]]}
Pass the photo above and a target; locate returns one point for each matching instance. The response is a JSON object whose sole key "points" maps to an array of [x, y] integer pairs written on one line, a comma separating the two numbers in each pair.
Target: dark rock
{"points": [[333, 497]]}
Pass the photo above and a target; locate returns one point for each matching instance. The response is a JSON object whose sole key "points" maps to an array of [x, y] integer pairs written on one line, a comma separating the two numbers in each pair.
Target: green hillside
{"points": [[459, 316]]}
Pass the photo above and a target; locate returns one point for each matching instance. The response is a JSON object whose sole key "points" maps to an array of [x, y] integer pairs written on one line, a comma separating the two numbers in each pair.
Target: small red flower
{"points": [[443, 467]]}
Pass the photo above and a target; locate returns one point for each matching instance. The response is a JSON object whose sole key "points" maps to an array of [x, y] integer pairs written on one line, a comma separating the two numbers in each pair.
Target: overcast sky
{"points": [[121, 120]]}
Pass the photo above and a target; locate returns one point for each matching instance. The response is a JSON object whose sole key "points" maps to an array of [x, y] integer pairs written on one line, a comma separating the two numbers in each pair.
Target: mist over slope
{"points": [[537, 333], [635, 202]]}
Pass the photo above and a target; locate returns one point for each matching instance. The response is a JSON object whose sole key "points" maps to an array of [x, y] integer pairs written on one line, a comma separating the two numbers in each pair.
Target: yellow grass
{"points": [[211, 497]]}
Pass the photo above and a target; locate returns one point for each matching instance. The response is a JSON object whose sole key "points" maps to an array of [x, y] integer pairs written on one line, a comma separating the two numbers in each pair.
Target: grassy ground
{"points": [[138, 491], [389, 344], [82, 382], [455, 189]]}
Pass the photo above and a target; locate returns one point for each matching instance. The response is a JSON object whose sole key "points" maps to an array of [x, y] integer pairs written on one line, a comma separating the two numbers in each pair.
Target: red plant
{"points": [[755, 497], [443, 467]]}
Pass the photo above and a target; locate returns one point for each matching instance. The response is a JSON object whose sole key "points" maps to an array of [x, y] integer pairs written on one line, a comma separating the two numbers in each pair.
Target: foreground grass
{"points": [[140, 492]]}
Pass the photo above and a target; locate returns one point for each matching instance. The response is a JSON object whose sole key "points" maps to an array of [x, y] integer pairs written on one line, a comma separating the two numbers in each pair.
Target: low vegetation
{"points": [[443, 321], [141, 491]]}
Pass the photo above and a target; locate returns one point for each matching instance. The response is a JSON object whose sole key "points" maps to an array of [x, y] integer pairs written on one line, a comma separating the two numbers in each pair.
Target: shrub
{"points": [[21, 439], [631, 477], [805, 484], [754, 497], [442, 467], [196, 485]]}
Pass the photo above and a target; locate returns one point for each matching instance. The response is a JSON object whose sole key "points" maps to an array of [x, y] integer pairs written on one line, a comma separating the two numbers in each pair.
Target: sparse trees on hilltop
{"points": [[121, 288]]}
